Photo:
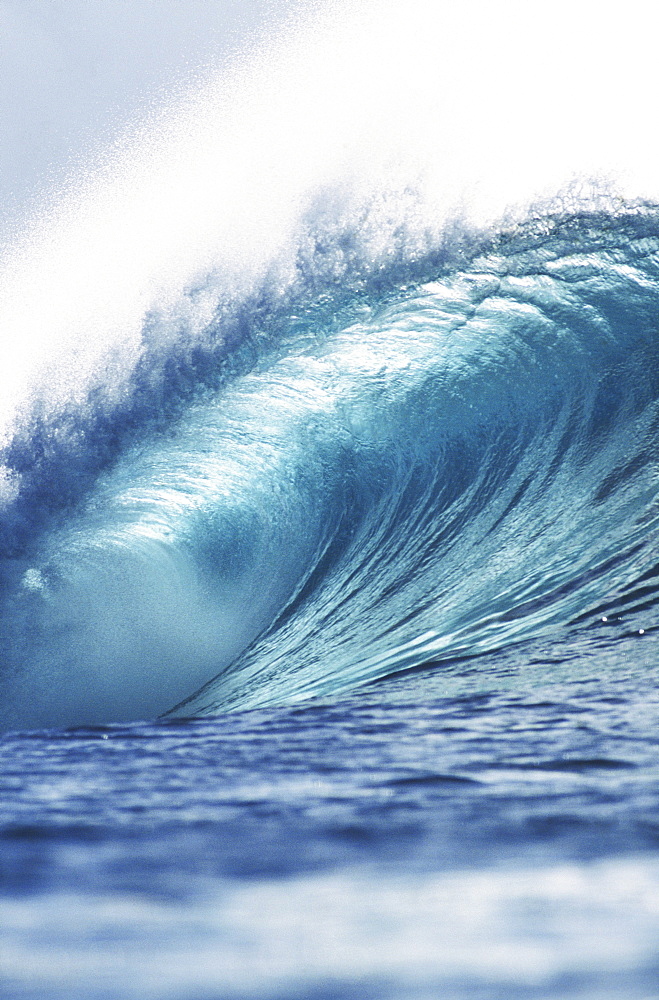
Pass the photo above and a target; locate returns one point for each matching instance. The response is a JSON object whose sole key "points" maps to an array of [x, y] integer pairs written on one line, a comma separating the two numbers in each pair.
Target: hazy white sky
{"points": [[73, 71], [574, 82]]}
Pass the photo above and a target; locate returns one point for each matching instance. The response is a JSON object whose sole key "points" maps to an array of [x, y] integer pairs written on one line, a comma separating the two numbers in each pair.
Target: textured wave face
{"points": [[277, 461], [426, 467], [485, 455]]}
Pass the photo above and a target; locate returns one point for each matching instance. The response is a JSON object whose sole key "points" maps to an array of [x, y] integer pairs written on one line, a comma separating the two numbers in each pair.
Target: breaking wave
{"points": [[324, 439]]}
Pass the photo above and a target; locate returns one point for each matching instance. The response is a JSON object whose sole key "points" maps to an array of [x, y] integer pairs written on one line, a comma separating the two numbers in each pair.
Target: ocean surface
{"points": [[329, 509]]}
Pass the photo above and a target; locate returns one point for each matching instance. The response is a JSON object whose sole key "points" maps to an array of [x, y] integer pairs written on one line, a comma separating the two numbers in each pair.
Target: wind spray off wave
{"points": [[308, 368]]}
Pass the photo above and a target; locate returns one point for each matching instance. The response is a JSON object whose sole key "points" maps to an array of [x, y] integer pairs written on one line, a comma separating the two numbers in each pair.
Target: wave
{"points": [[358, 432], [491, 458], [434, 462]]}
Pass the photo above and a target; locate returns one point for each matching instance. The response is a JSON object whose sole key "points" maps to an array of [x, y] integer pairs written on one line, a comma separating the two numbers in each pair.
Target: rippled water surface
{"points": [[496, 841]]}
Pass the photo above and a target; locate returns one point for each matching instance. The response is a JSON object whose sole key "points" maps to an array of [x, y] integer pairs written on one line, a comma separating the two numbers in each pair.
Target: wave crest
{"points": [[417, 462]]}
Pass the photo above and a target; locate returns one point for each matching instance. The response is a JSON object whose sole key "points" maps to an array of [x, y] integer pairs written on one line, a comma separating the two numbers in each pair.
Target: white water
{"points": [[437, 108]]}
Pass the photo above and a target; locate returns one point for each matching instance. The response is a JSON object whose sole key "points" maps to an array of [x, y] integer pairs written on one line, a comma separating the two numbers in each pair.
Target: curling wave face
{"points": [[423, 462], [300, 390]]}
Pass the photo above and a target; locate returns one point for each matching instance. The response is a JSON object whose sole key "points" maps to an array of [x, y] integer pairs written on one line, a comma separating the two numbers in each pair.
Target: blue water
{"points": [[328, 587], [397, 843]]}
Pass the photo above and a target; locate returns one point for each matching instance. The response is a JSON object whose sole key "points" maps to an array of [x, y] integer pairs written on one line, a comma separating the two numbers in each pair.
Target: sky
{"points": [[535, 86], [73, 73]]}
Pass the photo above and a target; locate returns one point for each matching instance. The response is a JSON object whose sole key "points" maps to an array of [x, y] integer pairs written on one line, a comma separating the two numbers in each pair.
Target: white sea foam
{"points": [[478, 106]]}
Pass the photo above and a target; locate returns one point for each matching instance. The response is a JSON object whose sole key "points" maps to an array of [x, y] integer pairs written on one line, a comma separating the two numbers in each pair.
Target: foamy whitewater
{"points": [[328, 514]]}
